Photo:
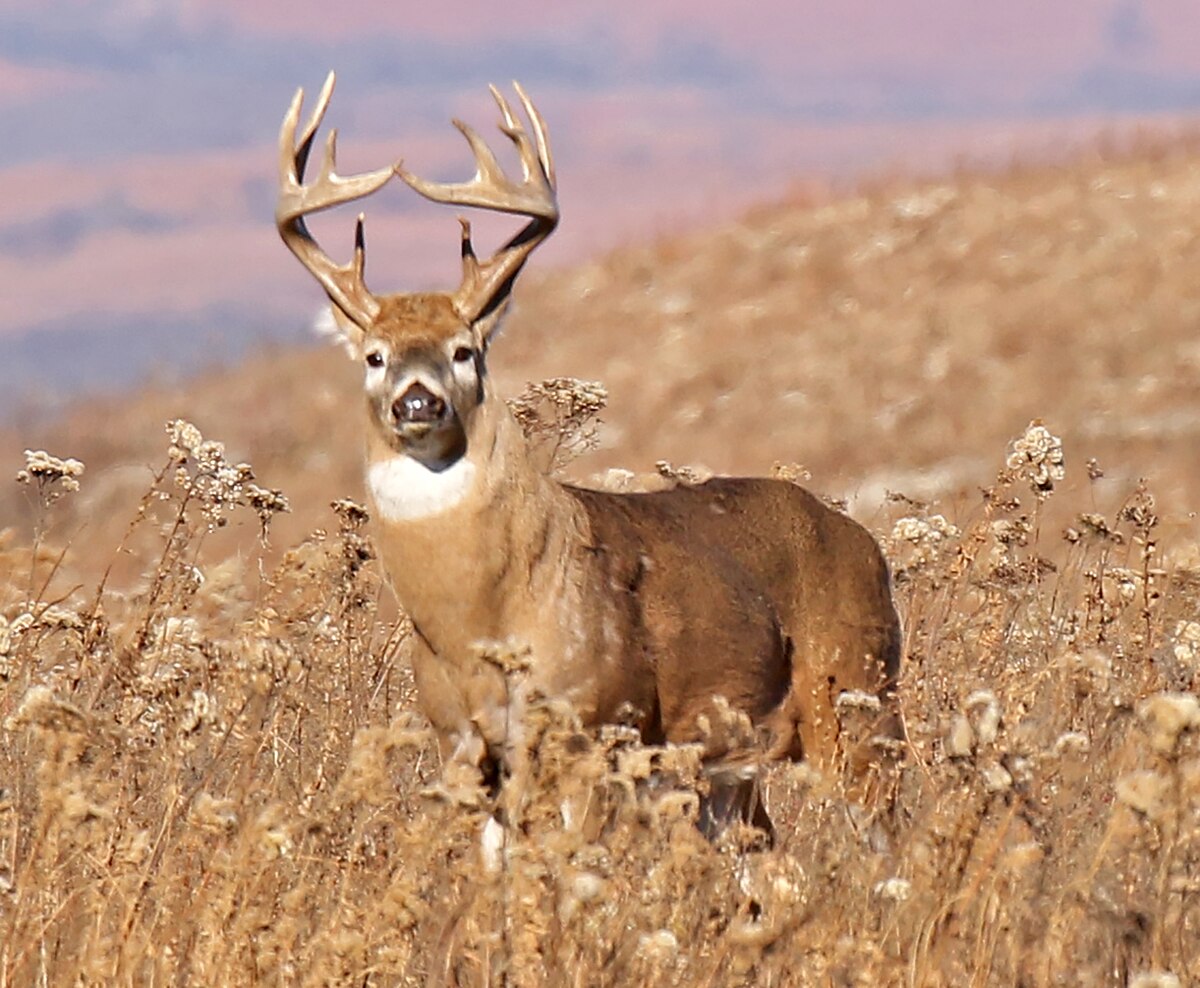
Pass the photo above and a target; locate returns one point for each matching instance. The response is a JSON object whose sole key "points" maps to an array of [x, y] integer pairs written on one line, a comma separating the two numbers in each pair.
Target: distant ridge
{"points": [[896, 339], [54, 366]]}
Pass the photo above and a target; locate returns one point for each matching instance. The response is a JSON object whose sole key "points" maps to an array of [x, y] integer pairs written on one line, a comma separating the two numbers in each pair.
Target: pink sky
{"points": [[940, 34], [141, 144]]}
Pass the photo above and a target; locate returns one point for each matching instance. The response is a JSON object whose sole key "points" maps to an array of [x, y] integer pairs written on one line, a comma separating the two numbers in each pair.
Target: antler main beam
{"points": [[486, 284], [344, 284]]}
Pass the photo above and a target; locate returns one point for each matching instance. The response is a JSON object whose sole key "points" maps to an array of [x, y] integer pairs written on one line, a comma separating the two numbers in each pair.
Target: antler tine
{"points": [[360, 247], [485, 285], [343, 284], [535, 159], [490, 188], [545, 158], [314, 122]]}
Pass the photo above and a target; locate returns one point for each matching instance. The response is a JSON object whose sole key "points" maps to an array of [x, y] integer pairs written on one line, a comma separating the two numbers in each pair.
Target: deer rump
{"points": [[752, 589]]}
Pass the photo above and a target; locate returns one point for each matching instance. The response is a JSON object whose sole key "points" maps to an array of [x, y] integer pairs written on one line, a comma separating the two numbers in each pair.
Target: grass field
{"points": [[211, 766]]}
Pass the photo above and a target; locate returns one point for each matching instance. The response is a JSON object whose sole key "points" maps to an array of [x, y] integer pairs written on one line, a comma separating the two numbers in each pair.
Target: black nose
{"points": [[418, 404]]}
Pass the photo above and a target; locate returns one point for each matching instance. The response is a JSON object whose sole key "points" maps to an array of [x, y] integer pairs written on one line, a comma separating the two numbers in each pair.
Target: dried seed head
{"points": [[1145, 792], [922, 539], [1154, 979], [52, 476], [43, 711], [209, 813], [1166, 716], [960, 739], [659, 947], [682, 473], [509, 656], [894, 889], [1037, 458], [924, 532], [1072, 743], [1140, 510], [352, 514], [1186, 645], [185, 440], [1011, 531], [984, 710], [857, 700], [1024, 856], [562, 414], [996, 778], [724, 729]]}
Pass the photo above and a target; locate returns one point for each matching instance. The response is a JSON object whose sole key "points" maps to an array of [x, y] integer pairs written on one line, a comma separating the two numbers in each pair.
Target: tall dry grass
{"points": [[214, 773]]}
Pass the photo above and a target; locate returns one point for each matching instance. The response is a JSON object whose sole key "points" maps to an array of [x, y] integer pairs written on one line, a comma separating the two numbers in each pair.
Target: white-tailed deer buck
{"points": [[748, 589]]}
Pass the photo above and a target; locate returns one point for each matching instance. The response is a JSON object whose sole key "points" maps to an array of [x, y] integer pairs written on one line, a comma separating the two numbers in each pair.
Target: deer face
{"points": [[424, 375], [422, 352]]}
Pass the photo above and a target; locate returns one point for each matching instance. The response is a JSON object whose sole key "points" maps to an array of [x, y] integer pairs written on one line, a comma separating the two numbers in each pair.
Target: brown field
{"points": [[211, 767]]}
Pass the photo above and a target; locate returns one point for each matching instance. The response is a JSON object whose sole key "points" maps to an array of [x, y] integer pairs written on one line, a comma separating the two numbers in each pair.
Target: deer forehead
{"points": [[417, 319]]}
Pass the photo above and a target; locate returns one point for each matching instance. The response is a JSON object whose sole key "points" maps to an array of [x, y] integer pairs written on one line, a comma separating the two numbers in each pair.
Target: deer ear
{"points": [[488, 325], [337, 327]]}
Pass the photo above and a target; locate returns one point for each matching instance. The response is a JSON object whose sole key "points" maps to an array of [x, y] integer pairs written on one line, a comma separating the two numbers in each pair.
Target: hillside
{"points": [[896, 339], [213, 769]]}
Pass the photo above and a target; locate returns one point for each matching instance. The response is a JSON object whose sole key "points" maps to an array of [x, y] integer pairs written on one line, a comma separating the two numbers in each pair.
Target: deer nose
{"points": [[419, 404]]}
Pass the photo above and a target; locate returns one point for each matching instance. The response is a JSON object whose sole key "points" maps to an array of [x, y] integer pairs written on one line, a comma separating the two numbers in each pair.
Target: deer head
{"points": [[423, 353]]}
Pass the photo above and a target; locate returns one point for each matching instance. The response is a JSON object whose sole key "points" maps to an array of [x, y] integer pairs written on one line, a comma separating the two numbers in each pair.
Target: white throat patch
{"points": [[404, 489]]}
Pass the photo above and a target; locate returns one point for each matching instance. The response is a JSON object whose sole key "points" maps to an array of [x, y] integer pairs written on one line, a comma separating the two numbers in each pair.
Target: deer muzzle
{"points": [[419, 406]]}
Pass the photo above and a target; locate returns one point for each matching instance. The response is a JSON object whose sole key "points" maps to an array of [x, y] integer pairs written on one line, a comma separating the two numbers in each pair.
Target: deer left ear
{"points": [[487, 326], [339, 328]]}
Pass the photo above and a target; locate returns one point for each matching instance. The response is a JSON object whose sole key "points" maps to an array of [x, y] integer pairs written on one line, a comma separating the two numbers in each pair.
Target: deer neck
{"points": [[468, 547]]}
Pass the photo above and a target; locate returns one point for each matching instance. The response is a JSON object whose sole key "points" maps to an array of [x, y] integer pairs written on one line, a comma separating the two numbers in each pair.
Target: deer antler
{"points": [[486, 284], [343, 284]]}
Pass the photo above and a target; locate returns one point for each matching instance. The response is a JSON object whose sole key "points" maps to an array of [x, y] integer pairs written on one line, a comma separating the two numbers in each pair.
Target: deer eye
{"points": [[463, 354], [374, 359]]}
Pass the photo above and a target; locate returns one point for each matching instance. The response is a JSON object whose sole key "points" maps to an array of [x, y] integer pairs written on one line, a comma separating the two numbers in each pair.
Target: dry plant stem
{"points": [[1169, 838], [170, 821], [159, 578], [41, 512], [139, 516], [986, 871]]}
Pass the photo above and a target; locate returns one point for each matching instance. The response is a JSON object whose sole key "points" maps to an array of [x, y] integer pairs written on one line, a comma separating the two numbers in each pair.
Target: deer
{"points": [[645, 608]]}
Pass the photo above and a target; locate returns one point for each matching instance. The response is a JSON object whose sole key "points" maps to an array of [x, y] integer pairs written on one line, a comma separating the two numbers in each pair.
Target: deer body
{"points": [[750, 590]]}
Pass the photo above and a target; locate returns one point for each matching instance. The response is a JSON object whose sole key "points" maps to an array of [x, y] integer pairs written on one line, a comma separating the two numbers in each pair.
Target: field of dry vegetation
{"points": [[211, 767]]}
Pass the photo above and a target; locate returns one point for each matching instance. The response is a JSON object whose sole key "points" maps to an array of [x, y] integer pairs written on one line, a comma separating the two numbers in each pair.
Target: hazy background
{"points": [[138, 158]]}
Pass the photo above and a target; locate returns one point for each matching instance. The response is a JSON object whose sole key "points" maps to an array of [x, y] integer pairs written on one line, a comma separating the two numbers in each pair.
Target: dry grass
{"points": [[218, 777], [212, 772]]}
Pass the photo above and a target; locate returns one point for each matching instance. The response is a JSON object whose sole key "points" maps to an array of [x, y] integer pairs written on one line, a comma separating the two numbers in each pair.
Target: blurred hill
{"points": [[895, 339]]}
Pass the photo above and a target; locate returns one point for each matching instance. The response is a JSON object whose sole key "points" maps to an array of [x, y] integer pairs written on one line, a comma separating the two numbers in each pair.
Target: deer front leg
{"points": [[446, 703]]}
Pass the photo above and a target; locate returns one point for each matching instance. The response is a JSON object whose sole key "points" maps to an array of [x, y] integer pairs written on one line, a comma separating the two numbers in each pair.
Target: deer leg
{"points": [[733, 798]]}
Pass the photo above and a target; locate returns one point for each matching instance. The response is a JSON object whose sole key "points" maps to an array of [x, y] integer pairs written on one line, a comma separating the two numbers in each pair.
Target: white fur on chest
{"points": [[404, 489]]}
